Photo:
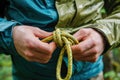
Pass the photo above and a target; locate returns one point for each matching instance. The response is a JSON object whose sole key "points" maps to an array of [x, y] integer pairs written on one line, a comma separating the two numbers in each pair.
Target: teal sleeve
{"points": [[6, 41]]}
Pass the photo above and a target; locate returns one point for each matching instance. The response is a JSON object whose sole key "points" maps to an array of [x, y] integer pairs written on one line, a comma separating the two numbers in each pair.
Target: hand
{"points": [[90, 47], [28, 45]]}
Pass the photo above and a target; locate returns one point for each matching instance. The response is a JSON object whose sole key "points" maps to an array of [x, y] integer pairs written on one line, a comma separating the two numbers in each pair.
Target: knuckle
{"points": [[29, 55], [93, 42], [95, 50], [29, 43], [92, 61], [36, 28], [83, 31], [95, 59], [45, 61], [40, 61], [49, 51], [76, 58], [79, 48], [28, 59], [49, 57]]}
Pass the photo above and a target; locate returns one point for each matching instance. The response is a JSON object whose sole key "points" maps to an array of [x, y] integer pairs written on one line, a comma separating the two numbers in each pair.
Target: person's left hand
{"points": [[90, 47]]}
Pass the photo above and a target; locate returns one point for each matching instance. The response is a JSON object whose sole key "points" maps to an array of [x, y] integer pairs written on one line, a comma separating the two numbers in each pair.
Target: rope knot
{"points": [[64, 40]]}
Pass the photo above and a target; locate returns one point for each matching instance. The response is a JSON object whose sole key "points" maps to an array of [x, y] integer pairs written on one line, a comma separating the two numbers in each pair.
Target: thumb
{"points": [[41, 33], [81, 34], [53, 46]]}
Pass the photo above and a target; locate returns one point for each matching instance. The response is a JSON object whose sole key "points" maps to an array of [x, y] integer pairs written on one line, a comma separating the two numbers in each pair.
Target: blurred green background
{"points": [[5, 67], [111, 62]]}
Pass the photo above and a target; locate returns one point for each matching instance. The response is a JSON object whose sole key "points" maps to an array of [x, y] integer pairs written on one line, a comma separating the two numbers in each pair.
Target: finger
{"points": [[89, 58], [90, 55], [41, 33], [91, 52], [41, 57], [52, 46], [37, 60], [83, 46], [34, 56], [36, 44], [81, 34], [40, 61], [46, 48]]}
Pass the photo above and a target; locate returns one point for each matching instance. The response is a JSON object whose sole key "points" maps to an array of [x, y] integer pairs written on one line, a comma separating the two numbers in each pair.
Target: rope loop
{"points": [[63, 40]]}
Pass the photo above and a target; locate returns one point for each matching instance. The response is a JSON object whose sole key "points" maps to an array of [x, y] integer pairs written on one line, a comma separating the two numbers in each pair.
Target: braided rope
{"points": [[63, 40]]}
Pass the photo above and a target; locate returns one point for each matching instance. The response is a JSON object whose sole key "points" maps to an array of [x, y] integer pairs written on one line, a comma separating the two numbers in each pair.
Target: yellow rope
{"points": [[64, 40]]}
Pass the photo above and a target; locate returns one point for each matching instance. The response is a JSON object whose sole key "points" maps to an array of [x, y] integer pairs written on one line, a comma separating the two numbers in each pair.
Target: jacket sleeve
{"points": [[6, 42], [110, 25]]}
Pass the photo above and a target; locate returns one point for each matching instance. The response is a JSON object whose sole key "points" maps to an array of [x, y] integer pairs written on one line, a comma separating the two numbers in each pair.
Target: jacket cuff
{"points": [[6, 40]]}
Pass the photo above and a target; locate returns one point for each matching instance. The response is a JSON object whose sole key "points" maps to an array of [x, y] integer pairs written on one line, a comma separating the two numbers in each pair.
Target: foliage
{"points": [[114, 74], [5, 67], [116, 53]]}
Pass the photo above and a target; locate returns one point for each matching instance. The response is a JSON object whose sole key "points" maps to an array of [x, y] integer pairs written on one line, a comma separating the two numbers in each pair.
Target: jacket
{"points": [[70, 15]]}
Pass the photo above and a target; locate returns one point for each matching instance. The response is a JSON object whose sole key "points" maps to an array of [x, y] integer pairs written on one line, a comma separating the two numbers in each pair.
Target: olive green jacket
{"points": [[73, 15], [76, 14]]}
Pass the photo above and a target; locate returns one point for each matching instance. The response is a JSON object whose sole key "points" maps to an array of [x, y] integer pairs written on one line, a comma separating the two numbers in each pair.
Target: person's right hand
{"points": [[28, 45]]}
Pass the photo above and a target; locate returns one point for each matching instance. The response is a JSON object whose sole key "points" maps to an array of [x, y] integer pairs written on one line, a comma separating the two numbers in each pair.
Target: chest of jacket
{"points": [[76, 13]]}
